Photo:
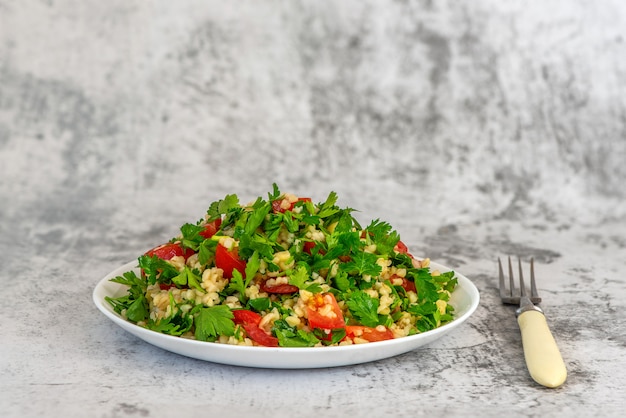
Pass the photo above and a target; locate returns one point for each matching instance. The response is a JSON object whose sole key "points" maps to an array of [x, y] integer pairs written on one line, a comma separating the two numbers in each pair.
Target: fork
{"points": [[543, 357]]}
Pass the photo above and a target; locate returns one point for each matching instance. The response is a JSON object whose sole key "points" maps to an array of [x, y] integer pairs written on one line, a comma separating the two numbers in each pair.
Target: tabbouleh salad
{"points": [[285, 272]]}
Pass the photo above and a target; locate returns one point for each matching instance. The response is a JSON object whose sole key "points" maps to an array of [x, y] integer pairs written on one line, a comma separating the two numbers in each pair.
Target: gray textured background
{"points": [[478, 129]]}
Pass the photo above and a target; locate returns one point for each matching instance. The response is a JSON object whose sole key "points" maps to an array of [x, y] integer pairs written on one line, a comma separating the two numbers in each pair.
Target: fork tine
{"points": [[534, 294], [513, 290], [503, 294], [522, 286]]}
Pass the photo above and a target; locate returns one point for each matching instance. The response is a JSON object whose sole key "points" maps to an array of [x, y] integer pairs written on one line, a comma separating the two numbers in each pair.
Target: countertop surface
{"points": [[478, 130]]}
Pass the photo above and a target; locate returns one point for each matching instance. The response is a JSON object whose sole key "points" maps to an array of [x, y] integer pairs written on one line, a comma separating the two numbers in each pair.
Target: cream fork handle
{"points": [[543, 357]]}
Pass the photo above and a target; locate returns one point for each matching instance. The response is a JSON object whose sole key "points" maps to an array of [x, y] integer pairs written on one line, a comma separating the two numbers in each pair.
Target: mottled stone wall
{"points": [[421, 112]]}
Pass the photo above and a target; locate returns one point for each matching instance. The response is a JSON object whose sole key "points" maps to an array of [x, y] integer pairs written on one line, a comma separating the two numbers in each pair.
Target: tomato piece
{"points": [[282, 288], [308, 246], [245, 316], [324, 312], [277, 205], [170, 250], [407, 285], [211, 228], [229, 261], [250, 320], [368, 333], [259, 336], [168, 286], [402, 248]]}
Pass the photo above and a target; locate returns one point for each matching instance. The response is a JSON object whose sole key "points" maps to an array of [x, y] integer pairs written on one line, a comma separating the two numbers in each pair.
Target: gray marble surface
{"points": [[478, 129]]}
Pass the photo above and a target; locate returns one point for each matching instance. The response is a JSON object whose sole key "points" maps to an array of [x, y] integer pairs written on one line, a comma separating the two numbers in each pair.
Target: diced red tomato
{"points": [[260, 336], [250, 320], [402, 248], [324, 312], [211, 228], [169, 251], [308, 246], [367, 333], [242, 316], [282, 288], [407, 284], [277, 205], [164, 286], [229, 261]]}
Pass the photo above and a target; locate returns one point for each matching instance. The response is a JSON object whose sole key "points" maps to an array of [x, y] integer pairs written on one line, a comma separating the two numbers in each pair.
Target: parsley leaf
{"points": [[137, 286], [256, 242], [260, 304], [214, 321], [206, 250], [299, 276], [138, 310], [191, 237], [222, 207], [424, 285], [291, 221], [362, 263], [401, 260], [176, 325], [349, 242], [298, 338], [154, 267], [446, 281], [343, 282], [427, 315], [292, 337], [188, 277], [257, 216], [328, 208], [364, 308], [345, 221], [275, 194], [252, 267], [135, 303], [382, 234], [237, 282]]}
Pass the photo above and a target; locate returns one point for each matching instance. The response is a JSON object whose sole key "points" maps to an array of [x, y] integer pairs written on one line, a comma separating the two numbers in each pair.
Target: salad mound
{"points": [[284, 271]]}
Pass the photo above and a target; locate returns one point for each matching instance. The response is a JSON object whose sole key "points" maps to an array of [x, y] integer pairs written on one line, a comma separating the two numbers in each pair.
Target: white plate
{"points": [[465, 300]]}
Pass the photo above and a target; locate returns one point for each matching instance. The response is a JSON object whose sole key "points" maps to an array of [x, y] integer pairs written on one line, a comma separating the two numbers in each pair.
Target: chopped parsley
{"points": [[309, 250]]}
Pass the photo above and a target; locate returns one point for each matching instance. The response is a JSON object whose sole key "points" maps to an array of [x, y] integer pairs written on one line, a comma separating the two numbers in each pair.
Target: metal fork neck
{"points": [[525, 306]]}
